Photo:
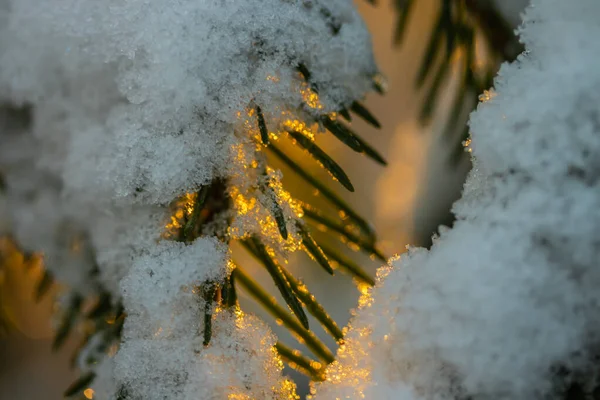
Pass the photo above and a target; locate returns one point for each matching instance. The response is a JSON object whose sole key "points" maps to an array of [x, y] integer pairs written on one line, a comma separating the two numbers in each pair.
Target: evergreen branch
{"points": [[255, 247], [343, 133], [318, 154], [348, 264], [329, 194], [313, 307], [313, 249], [297, 361], [343, 230], [447, 25], [270, 304]]}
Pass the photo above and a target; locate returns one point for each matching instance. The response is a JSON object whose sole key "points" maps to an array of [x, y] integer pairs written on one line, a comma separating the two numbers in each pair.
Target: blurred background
{"points": [[406, 202]]}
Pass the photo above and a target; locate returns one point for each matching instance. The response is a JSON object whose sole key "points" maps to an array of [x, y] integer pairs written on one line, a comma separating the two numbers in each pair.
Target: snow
{"points": [[240, 363], [133, 104], [508, 296], [161, 285], [162, 354], [150, 94]]}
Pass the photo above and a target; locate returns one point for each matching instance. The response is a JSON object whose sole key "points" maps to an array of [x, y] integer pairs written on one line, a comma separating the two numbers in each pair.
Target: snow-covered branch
{"points": [[124, 108]]}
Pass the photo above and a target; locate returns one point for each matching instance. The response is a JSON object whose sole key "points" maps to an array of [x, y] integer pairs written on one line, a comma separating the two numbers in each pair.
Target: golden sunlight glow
{"points": [[365, 299], [253, 210], [381, 82], [88, 393], [352, 373], [284, 389], [183, 208], [467, 145], [311, 98], [301, 127], [487, 95], [284, 196]]}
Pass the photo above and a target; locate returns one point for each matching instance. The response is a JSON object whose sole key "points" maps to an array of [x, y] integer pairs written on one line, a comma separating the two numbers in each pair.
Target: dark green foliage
{"points": [[318, 154], [258, 249], [198, 205], [262, 126], [348, 264], [344, 134], [313, 249], [209, 289], [365, 244], [365, 114], [229, 292]]}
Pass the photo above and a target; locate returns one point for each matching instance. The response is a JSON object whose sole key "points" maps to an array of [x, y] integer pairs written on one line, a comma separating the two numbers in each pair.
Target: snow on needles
{"points": [[505, 304], [150, 91], [115, 104], [111, 110], [163, 356]]}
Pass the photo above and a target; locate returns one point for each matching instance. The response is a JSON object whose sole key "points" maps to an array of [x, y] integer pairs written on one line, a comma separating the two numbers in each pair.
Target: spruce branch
{"points": [[210, 209]]}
